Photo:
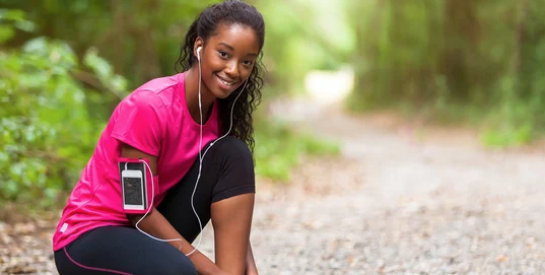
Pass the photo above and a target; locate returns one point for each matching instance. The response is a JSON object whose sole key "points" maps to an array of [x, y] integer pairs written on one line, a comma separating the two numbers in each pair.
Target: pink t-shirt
{"points": [[154, 119]]}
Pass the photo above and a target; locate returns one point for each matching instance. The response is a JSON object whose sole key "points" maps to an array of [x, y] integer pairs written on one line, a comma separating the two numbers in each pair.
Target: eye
{"points": [[223, 54], [248, 63]]}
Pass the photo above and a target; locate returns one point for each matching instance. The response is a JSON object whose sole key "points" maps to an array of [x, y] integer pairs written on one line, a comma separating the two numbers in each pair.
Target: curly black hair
{"points": [[231, 12]]}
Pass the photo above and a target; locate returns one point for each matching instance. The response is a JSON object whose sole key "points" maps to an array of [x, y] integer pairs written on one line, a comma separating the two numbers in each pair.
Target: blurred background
{"points": [[65, 64]]}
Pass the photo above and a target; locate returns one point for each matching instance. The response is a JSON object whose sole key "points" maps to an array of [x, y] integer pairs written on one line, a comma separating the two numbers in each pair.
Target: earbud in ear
{"points": [[199, 53]]}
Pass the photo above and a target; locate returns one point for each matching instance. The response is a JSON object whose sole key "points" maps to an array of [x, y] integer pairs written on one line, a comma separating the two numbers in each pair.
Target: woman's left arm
{"points": [[232, 219]]}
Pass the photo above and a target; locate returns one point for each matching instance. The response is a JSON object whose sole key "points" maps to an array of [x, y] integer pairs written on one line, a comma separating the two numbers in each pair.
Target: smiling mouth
{"points": [[225, 82]]}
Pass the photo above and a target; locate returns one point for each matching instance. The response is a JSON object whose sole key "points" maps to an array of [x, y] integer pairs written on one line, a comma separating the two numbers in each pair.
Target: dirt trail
{"points": [[393, 204], [442, 205]]}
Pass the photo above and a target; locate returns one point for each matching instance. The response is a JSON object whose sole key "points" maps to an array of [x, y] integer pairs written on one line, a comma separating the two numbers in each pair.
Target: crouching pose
{"points": [[188, 141]]}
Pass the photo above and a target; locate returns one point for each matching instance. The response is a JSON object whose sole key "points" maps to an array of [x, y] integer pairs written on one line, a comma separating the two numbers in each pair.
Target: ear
{"points": [[198, 43]]}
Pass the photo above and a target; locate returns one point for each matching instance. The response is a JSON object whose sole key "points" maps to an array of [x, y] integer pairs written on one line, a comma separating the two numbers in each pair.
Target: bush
{"points": [[279, 149], [47, 133]]}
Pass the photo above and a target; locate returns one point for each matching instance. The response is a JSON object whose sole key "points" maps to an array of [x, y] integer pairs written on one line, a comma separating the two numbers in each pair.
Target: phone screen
{"points": [[133, 191]]}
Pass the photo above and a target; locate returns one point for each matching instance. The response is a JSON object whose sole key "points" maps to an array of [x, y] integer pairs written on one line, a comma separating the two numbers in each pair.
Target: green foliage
{"points": [[11, 20], [508, 136], [279, 149], [58, 85], [47, 135], [446, 57], [310, 35], [141, 39]]}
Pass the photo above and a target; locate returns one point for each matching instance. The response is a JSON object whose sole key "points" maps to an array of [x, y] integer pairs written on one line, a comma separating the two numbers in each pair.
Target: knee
{"points": [[182, 266], [234, 149]]}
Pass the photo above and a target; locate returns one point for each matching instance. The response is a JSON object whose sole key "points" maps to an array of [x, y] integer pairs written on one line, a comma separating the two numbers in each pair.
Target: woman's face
{"points": [[228, 58]]}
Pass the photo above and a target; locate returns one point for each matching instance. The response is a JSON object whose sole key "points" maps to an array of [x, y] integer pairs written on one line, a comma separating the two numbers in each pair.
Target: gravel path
{"points": [[441, 206], [390, 205]]}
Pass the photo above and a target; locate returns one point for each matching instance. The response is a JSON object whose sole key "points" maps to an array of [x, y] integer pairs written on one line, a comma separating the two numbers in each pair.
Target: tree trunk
{"points": [[518, 40], [461, 34]]}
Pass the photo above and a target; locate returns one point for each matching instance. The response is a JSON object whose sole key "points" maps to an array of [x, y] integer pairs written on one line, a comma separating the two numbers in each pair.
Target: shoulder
{"points": [[164, 89], [156, 93], [162, 84], [142, 99]]}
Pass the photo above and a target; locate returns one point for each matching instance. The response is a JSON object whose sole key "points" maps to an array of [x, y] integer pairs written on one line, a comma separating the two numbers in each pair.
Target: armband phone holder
{"points": [[136, 185]]}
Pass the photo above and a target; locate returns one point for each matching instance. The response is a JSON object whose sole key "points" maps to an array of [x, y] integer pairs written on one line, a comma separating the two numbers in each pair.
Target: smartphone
{"points": [[133, 190]]}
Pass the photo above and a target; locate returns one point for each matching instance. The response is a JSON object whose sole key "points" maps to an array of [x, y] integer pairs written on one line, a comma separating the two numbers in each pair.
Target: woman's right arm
{"points": [[157, 225]]}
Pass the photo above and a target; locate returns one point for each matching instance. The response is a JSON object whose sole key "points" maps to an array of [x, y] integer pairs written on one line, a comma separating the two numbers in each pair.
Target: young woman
{"points": [[170, 123]]}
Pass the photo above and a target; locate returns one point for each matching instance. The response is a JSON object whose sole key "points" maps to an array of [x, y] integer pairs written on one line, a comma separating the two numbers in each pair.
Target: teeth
{"points": [[225, 82]]}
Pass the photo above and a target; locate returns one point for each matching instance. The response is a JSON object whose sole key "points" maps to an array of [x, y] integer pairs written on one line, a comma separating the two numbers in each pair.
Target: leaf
{"points": [[11, 14], [6, 33]]}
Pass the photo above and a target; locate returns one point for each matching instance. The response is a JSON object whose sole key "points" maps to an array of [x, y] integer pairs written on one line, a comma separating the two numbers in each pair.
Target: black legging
{"points": [[227, 171]]}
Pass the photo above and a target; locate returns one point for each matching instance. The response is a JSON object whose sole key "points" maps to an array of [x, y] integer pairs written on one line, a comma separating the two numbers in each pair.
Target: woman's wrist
{"points": [[203, 265]]}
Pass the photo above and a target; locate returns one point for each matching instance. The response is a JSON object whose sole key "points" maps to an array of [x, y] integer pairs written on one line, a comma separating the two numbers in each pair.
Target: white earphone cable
{"points": [[149, 208], [201, 156]]}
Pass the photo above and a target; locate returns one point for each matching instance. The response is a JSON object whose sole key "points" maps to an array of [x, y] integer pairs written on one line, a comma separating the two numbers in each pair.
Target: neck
{"points": [[192, 95]]}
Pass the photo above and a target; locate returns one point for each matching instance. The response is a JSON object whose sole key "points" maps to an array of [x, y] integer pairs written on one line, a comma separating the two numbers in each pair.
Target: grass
{"points": [[501, 126], [279, 149]]}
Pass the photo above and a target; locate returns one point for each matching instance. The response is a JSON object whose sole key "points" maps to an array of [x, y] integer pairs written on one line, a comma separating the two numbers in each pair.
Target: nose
{"points": [[231, 69]]}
